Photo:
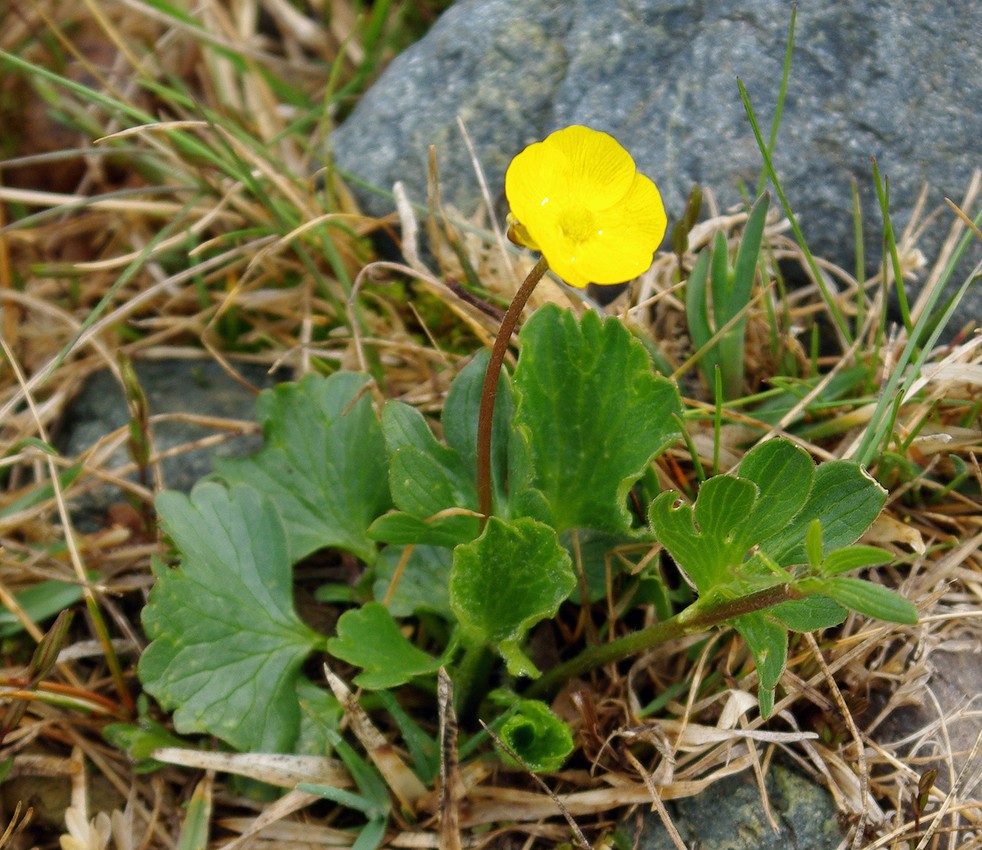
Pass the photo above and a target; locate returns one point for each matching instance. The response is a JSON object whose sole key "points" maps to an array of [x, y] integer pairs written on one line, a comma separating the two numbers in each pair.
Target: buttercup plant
{"points": [[469, 542]]}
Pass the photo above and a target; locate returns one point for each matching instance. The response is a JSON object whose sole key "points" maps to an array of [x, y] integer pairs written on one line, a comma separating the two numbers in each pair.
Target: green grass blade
{"points": [[741, 284], [857, 229], [890, 240], [830, 304], [781, 92], [896, 385], [197, 821]]}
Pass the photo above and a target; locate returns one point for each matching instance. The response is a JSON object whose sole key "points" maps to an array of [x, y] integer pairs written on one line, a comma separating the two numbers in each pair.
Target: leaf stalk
{"points": [[698, 617]]}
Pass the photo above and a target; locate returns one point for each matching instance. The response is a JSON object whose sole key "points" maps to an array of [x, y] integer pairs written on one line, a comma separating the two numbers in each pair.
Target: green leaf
{"points": [[226, 645], [733, 513], [809, 614], [372, 798], [366, 775], [783, 473], [320, 718], [323, 463], [720, 280], [422, 585], [514, 575], [348, 799], [813, 544], [844, 498], [402, 529], [854, 558], [593, 412], [748, 255], [707, 541], [139, 740], [371, 835], [368, 637], [870, 599], [426, 477], [422, 749], [196, 827], [767, 639], [697, 313], [537, 736], [738, 293]]}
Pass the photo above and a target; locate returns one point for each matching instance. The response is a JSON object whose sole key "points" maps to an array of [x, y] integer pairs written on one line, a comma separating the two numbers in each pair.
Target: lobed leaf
{"points": [[844, 498], [594, 415], [783, 473], [226, 645], [706, 541], [323, 463], [514, 575], [370, 638]]}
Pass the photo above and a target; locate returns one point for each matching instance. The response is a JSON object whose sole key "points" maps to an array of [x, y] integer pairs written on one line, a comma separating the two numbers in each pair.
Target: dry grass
{"points": [[214, 232]]}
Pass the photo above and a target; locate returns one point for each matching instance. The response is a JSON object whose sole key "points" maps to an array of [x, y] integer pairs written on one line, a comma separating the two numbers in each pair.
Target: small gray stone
{"points": [[175, 386], [894, 79], [955, 686], [729, 815]]}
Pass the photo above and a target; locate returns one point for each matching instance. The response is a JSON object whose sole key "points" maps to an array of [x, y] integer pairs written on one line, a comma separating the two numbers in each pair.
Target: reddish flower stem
{"points": [[485, 417]]}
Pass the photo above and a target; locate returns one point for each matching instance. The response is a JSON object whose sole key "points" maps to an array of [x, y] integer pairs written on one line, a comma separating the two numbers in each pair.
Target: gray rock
{"points": [[955, 684], [177, 386], [730, 816], [895, 79]]}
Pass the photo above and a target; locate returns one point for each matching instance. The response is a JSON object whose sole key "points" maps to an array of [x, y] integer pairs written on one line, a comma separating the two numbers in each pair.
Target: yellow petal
{"points": [[623, 245], [600, 171], [535, 179], [564, 259]]}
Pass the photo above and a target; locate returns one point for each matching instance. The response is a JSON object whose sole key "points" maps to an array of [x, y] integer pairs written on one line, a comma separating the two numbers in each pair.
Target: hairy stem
{"points": [[695, 618], [490, 391]]}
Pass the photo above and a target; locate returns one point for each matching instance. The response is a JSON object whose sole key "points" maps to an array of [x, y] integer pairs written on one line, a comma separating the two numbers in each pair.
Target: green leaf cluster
{"points": [[779, 520], [575, 431]]}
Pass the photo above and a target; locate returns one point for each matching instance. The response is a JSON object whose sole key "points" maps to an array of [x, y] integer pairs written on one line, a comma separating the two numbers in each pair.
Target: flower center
{"points": [[578, 225]]}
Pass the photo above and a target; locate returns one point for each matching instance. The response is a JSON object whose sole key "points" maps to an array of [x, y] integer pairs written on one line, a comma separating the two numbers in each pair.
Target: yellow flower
{"points": [[578, 198]]}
